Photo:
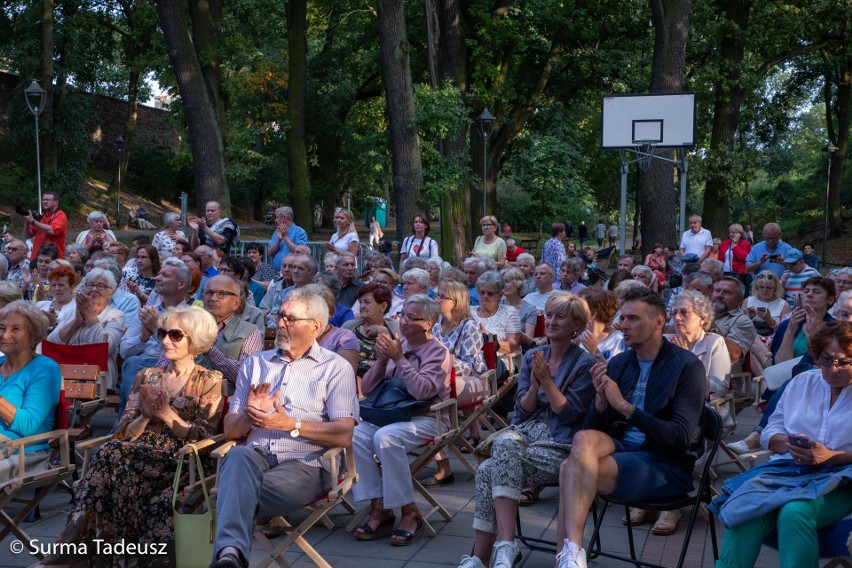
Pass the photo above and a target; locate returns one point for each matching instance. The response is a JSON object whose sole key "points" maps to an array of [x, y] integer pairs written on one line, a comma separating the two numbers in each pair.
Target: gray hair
{"points": [[576, 265], [170, 218], [470, 261], [490, 278], [9, 292], [717, 266], [526, 257], [285, 212], [845, 270], [80, 249], [703, 278], [413, 262], [345, 254], [329, 280], [510, 241], [695, 216], [101, 273], [516, 276], [315, 306], [436, 261], [419, 275], [37, 322], [312, 262], [428, 306], [184, 274], [111, 266], [95, 215], [626, 285], [644, 269], [489, 263], [700, 304], [738, 285]]}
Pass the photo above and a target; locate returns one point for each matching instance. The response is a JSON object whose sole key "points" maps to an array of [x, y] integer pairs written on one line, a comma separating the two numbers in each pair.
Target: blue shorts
{"points": [[642, 478]]}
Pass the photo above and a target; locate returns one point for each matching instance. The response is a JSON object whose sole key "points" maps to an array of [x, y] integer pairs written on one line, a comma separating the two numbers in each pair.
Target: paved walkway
{"points": [[453, 540]]}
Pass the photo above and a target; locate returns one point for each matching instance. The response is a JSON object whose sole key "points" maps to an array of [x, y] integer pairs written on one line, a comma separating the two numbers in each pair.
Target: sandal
{"points": [[637, 517], [529, 496], [404, 537], [667, 523], [384, 528]]}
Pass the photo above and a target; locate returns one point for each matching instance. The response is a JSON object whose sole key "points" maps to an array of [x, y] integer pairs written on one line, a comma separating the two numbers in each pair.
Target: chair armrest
{"points": [[451, 404], [187, 450], [491, 387], [19, 444], [203, 444], [219, 455]]}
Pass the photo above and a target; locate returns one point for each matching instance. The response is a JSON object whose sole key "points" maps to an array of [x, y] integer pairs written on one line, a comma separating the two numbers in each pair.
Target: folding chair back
{"points": [[84, 377]]}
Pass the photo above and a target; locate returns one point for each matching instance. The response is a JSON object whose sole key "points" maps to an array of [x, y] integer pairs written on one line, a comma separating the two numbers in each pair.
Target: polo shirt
{"points": [[695, 243]]}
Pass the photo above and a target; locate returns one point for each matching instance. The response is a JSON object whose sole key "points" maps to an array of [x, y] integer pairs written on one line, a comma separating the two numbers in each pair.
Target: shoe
{"points": [[227, 560], [637, 517], [384, 529], [433, 481], [667, 523], [471, 562], [505, 554], [571, 556], [472, 440], [740, 447], [404, 537]]}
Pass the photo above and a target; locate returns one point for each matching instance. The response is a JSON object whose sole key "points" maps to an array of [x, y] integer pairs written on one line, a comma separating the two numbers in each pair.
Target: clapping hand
{"points": [[148, 316], [388, 347], [264, 410], [153, 402], [608, 393], [540, 372], [259, 399]]}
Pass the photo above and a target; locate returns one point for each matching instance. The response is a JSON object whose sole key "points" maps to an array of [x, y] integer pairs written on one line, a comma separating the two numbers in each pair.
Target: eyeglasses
{"points": [[220, 294], [841, 364], [409, 318], [174, 335], [440, 296], [290, 321], [844, 282], [225, 270], [100, 286], [766, 276]]}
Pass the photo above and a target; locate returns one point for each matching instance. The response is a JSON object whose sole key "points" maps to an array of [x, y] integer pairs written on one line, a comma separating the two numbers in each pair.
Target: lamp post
{"points": [[119, 145], [832, 151], [35, 96], [484, 122]]}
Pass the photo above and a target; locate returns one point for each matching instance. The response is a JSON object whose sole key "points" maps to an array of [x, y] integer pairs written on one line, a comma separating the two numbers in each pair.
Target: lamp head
{"points": [[119, 144], [484, 122], [34, 96]]}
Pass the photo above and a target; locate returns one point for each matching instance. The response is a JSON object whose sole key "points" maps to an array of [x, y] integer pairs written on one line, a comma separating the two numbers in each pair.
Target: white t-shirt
{"points": [[695, 242], [424, 248], [503, 322], [342, 243]]}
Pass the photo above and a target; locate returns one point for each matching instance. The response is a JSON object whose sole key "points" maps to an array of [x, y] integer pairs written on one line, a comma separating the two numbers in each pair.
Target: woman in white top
{"points": [[419, 243], [489, 244], [767, 308], [414, 281], [600, 338], [63, 281], [346, 237], [498, 319], [96, 237], [164, 241]]}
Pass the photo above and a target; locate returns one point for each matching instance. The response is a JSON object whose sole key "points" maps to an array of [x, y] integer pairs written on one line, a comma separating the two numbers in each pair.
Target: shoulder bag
{"points": [[390, 402], [194, 533]]}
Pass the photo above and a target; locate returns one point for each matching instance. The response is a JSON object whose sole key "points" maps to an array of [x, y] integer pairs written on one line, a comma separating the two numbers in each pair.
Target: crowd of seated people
{"points": [[614, 386]]}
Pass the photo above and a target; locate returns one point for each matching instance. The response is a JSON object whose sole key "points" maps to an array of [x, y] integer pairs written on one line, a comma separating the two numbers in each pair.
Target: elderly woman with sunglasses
{"points": [[94, 318], [126, 494], [810, 436]]}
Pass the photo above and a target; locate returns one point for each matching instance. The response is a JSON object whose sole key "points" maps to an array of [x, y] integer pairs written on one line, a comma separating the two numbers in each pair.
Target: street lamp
{"points": [[832, 151], [484, 122], [35, 96], [119, 145]]}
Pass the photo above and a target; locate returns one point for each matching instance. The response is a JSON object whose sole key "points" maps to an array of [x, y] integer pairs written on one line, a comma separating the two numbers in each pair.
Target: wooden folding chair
{"points": [[41, 483], [84, 377]]}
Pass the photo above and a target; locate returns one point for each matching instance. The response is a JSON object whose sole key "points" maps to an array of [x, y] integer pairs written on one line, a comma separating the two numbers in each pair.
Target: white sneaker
{"points": [[505, 555], [471, 562], [740, 447], [571, 556]]}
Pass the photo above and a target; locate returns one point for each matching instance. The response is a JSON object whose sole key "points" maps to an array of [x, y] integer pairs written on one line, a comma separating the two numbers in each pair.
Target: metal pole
{"points": [[118, 195], [825, 214], [484, 174], [623, 218], [683, 174], [38, 163]]}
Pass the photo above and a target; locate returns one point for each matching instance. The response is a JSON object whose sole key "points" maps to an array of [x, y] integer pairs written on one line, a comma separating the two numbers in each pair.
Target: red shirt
{"points": [[513, 256], [59, 222]]}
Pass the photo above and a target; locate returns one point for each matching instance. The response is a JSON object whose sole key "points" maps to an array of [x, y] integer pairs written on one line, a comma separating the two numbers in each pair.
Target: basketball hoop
{"points": [[645, 151]]}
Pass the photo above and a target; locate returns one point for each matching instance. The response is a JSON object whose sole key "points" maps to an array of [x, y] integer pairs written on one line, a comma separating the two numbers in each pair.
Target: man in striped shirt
{"points": [[795, 276], [292, 403]]}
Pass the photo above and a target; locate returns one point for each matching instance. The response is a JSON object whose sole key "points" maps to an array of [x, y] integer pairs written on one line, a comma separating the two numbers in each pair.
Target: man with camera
{"points": [[769, 253], [50, 227]]}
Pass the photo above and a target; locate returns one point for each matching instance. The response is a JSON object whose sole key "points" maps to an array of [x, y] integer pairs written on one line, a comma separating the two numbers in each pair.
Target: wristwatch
{"points": [[296, 428]]}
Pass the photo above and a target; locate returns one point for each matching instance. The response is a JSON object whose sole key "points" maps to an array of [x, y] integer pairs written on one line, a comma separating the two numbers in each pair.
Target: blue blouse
{"points": [[34, 391]]}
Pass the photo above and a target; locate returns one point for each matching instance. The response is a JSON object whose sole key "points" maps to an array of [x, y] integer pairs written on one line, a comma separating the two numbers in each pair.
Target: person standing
{"points": [[376, 233], [697, 240], [582, 233], [50, 227], [769, 253], [217, 232], [287, 237], [613, 234], [733, 253], [553, 251], [600, 232]]}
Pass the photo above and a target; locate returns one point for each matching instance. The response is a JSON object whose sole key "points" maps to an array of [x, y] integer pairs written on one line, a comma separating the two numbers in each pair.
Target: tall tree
{"points": [[297, 93], [394, 52], [671, 27], [837, 109], [46, 120], [205, 134]]}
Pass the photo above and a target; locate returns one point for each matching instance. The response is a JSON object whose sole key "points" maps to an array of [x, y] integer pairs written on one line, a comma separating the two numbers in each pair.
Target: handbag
{"points": [[194, 533], [390, 402]]}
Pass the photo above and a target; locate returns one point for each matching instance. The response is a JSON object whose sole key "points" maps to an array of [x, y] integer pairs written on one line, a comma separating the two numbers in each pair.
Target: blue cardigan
{"points": [[34, 391], [674, 400]]}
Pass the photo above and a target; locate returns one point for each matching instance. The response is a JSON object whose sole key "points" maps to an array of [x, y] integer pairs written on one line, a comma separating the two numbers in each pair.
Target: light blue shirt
{"points": [[126, 302], [633, 437], [295, 234], [760, 248], [34, 392]]}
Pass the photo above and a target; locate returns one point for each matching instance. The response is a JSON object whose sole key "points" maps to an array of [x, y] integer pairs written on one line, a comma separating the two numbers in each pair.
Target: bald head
{"points": [[221, 297]]}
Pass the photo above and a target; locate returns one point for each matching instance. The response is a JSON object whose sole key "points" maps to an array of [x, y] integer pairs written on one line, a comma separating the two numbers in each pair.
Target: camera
{"points": [[24, 211]]}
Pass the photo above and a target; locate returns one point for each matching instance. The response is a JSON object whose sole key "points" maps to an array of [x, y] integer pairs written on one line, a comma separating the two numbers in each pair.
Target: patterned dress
{"points": [[127, 492]]}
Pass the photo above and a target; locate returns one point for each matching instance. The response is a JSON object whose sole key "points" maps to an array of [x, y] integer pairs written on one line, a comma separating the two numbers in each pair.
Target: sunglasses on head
{"points": [[767, 276], [174, 335]]}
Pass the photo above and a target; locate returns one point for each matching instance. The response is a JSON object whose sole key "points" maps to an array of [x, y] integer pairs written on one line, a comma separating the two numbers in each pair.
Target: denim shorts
{"points": [[642, 478]]}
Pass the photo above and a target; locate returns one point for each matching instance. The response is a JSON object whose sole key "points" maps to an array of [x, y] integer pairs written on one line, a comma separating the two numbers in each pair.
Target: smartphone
{"points": [[774, 257], [761, 308], [799, 440]]}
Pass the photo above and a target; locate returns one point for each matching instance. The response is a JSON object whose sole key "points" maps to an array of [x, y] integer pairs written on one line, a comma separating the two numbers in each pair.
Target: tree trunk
{"points": [[297, 94], [456, 213], [206, 15], [671, 26], [46, 120], [205, 137], [841, 135], [399, 97], [729, 94]]}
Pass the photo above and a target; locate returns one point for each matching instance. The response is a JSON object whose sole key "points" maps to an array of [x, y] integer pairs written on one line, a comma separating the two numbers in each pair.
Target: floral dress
{"points": [[127, 492]]}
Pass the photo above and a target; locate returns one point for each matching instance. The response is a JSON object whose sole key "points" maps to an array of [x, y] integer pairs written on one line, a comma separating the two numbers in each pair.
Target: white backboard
{"points": [[665, 120]]}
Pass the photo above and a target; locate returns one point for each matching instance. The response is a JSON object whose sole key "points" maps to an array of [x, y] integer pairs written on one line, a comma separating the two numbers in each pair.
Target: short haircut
{"points": [[195, 322], [490, 219], [839, 331], [315, 306], [94, 216], [51, 192], [117, 245], [320, 288], [695, 216], [516, 277], [643, 269], [649, 298], [419, 275], [312, 263], [82, 251], [702, 277], [556, 228], [141, 240], [235, 266], [170, 218], [428, 306], [330, 281], [603, 304], [381, 261], [626, 257], [253, 246], [183, 273], [474, 261], [393, 276], [825, 283], [740, 287], [701, 305], [460, 296], [490, 278], [9, 292], [381, 295], [573, 305], [101, 273], [767, 276], [544, 265], [48, 249], [285, 212], [736, 228], [624, 287], [412, 262], [618, 276], [345, 254], [454, 274], [716, 266], [63, 272], [690, 268], [526, 257], [575, 265], [37, 321]]}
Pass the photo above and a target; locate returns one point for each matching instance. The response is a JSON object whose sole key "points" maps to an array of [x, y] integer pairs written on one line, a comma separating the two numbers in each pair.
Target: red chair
{"points": [[84, 369]]}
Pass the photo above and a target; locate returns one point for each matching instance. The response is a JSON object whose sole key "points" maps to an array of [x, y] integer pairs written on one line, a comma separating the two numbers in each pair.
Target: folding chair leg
{"points": [[459, 454], [630, 542]]}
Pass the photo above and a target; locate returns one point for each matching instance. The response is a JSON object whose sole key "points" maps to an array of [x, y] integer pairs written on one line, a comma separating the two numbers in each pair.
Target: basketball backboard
{"points": [[664, 121]]}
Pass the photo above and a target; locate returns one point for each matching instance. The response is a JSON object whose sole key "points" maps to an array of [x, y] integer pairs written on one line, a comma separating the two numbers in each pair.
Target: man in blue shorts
{"points": [[644, 432]]}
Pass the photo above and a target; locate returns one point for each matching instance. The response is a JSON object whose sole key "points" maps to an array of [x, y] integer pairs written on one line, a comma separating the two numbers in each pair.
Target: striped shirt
{"points": [[319, 386]]}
